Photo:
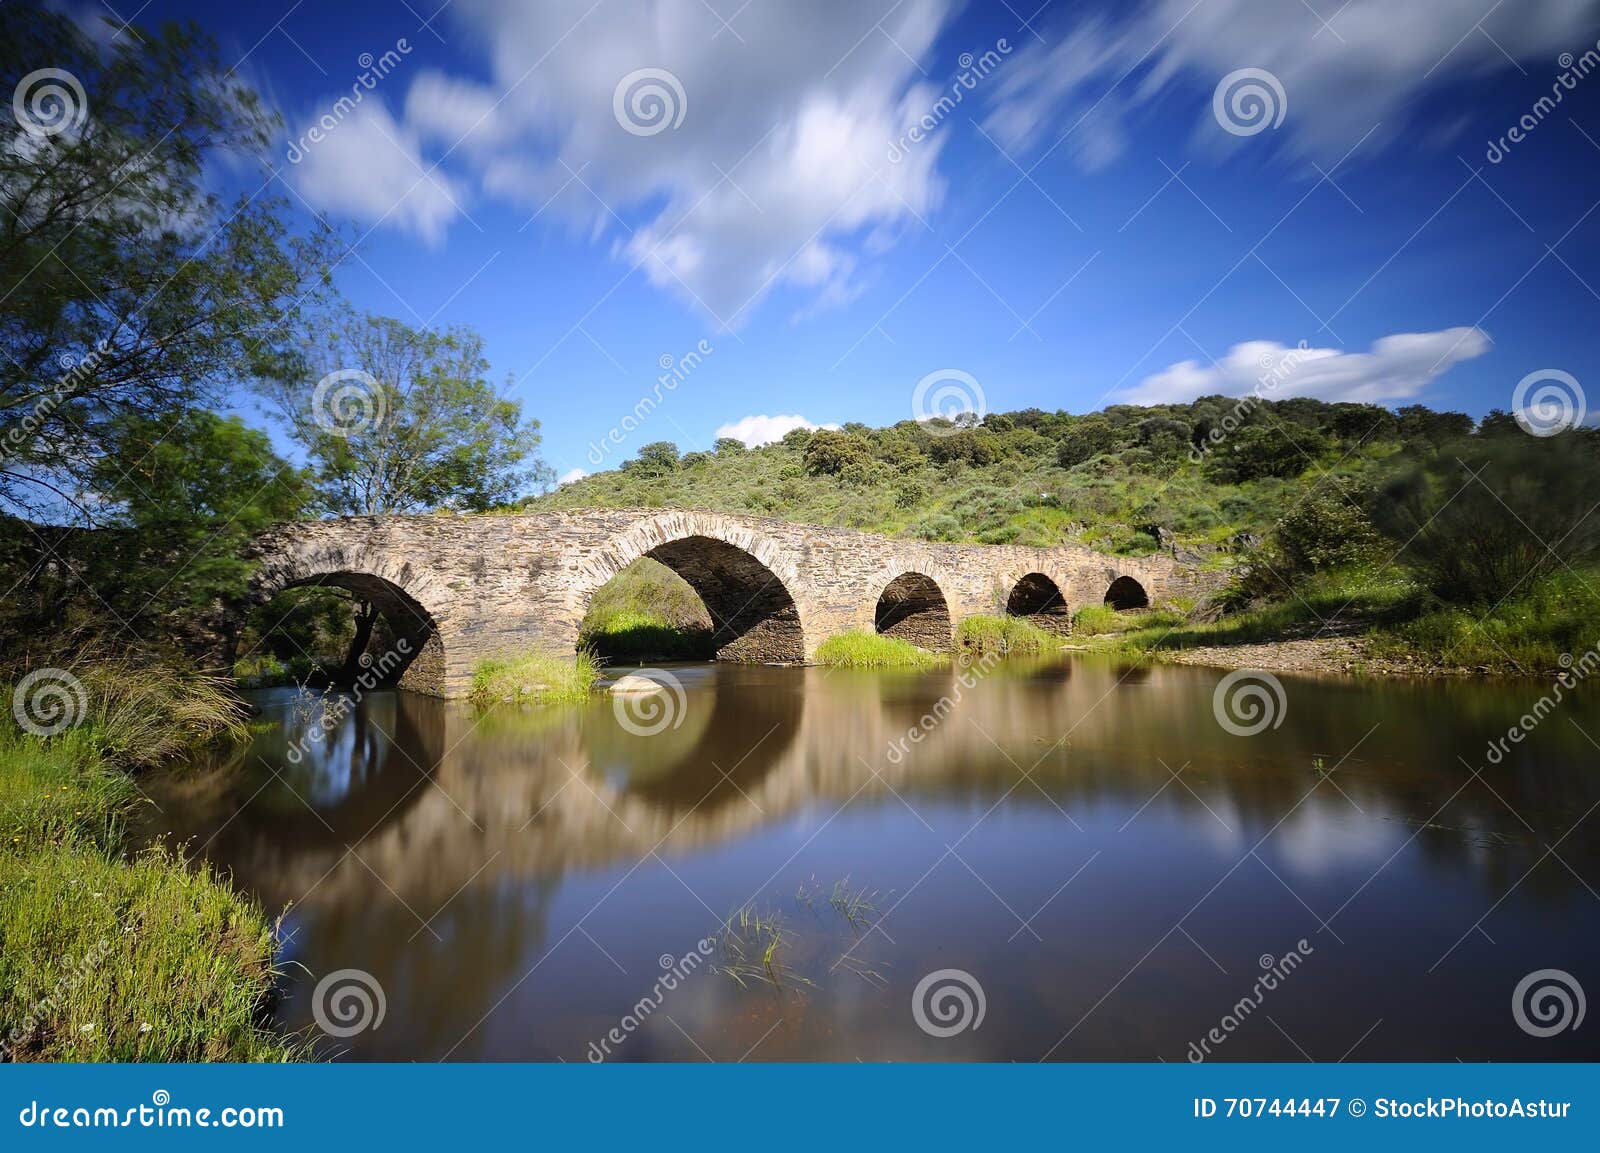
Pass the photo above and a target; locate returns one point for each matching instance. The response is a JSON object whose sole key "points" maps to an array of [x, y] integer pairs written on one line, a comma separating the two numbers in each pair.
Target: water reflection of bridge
{"points": [[427, 792]]}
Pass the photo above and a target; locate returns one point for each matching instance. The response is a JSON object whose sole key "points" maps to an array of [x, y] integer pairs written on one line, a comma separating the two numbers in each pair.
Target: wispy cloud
{"points": [[1396, 368]]}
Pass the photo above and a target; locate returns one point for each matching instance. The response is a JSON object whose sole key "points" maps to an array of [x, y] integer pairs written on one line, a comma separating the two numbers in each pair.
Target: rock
{"points": [[1245, 541], [634, 685]]}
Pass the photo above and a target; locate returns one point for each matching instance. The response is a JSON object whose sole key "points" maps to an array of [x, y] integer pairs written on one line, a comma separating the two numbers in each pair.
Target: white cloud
{"points": [[571, 475], [759, 430], [371, 169], [1397, 367], [1373, 60], [778, 172]]}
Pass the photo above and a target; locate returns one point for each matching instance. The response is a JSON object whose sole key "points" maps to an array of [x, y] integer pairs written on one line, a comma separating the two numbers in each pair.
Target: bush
{"points": [[1329, 528], [1490, 517]]}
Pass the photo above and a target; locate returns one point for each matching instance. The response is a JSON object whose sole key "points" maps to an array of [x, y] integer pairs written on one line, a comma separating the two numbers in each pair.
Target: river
{"points": [[1081, 859]]}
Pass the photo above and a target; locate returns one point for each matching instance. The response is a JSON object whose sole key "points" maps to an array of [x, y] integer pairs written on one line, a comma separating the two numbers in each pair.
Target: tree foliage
{"points": [[127, 286], [396, 419]]}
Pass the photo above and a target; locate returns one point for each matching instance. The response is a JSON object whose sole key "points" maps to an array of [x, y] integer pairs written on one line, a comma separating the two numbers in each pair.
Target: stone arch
{"points": [[1039, 598], [402, 596], [913, 608], [744, 578], [1127, 593]]}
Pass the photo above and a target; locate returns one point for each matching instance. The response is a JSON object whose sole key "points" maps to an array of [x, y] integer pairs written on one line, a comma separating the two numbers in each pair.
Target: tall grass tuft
{"points": [[534, 678], [142, 715], [1007, 635], [860, 650], [111, 957]]}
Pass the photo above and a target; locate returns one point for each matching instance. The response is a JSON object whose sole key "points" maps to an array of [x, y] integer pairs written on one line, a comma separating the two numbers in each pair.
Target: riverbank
{"points": [[112, 954], [1355, 624]]}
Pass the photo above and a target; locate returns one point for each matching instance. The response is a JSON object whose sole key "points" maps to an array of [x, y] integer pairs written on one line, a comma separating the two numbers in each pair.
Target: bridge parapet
{"points": [[471, 587]]}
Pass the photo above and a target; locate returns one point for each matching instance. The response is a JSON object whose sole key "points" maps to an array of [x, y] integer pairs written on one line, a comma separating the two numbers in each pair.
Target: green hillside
{"points": [[1446, 539]]}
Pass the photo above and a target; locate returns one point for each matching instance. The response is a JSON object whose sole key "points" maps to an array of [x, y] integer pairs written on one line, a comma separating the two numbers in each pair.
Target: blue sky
{"points": [[1082, 228]]}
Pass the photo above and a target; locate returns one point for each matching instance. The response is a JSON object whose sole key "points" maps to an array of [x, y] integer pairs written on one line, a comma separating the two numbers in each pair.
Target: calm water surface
{"points": [[1106, 861]]}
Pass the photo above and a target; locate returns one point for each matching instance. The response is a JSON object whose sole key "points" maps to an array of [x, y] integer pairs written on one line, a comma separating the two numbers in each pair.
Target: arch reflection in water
{"points": [[514, 890]]}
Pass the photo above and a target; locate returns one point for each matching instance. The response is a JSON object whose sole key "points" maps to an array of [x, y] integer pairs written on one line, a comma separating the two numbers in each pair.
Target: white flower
{"points": [[89, 1028]]}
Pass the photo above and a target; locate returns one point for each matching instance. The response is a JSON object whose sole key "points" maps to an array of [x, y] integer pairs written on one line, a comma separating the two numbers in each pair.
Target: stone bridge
{"points": [[464, 588]]}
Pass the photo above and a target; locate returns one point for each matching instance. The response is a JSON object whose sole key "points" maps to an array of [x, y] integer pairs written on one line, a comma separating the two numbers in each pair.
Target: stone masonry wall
{"points": [[495, 585]]}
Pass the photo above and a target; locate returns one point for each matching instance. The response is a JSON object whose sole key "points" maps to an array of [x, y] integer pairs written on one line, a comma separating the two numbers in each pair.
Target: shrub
{"points": [[1491, 517]]}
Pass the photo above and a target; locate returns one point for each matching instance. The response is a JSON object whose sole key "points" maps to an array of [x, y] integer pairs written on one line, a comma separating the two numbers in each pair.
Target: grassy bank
{"points": [[534, 678], [107, 954], [1394, 620], [858, 650]]}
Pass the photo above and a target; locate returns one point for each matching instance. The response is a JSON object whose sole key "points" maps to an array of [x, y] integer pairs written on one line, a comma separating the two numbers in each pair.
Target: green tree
{"points": [[658, 458], [1493, 516], [828, 452], [1085, 440], [395, 419], [180, 501], [1263, 450], [128, 287]]}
